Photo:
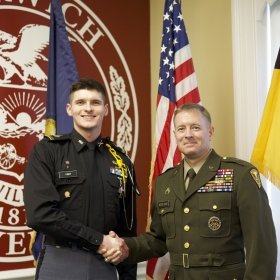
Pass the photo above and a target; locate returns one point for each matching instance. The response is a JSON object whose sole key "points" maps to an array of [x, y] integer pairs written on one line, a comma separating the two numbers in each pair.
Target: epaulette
{"points": [[119, 149], [174, 168], [54, 138], [237, 161]]}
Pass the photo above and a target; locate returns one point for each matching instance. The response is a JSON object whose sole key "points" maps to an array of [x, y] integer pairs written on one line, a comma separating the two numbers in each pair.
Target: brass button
{"points": [[215, 207], [187, 245], [162, 210], [186, 228], [67, 194], [186, 210]]}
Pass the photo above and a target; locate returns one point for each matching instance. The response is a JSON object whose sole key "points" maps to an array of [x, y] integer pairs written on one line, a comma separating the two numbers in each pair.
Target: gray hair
{"points": [[193, 106]]}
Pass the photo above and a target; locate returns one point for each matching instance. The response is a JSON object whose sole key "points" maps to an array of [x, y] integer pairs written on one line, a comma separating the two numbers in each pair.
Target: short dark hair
{"points": [[193, 106], [90, 84]]}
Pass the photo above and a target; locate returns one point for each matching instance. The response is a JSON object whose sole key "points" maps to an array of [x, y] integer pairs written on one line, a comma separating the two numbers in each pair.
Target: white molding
{"points": [[259, 7], [244, 76]]}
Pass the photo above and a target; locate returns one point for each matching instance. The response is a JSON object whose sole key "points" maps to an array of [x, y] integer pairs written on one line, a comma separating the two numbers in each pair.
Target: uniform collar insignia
{"points": [[167, 191]]}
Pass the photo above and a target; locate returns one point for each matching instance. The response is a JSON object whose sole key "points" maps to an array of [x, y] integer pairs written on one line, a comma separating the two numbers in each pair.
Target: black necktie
{"points": [[190, 174]]}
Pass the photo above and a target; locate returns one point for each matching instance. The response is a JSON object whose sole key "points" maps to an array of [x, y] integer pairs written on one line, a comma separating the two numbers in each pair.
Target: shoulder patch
{"points": [[256, 176]]}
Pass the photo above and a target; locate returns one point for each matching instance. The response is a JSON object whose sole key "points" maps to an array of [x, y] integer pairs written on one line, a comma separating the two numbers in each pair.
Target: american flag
{"points": [[177, 85]]}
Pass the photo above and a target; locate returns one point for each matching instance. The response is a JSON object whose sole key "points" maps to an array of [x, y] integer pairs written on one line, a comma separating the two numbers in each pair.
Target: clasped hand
{"points": [[113, 248]]}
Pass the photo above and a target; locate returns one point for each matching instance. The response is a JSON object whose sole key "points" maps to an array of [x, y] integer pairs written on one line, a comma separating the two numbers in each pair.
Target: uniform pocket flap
{"points": [[215, 201]]}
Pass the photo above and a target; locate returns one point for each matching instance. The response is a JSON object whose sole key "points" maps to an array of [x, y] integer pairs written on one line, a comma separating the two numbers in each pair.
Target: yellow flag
{"points": [[266, 152]]}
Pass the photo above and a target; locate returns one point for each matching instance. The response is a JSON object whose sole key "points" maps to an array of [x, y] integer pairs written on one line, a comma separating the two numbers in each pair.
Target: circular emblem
{"points": [[97, 55], [24, 47], [214, 223]]}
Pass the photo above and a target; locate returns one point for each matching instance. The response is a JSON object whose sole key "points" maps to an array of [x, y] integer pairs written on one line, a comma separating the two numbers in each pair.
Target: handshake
{"points": [[113, 248]]}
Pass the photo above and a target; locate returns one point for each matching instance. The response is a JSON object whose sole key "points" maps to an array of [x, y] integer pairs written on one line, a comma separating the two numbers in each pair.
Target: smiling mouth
{"points": [[190, 143]]}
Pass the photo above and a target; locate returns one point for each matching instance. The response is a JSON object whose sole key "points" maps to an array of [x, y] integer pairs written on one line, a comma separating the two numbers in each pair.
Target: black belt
{"points": [[196, 260], [71, 245]]}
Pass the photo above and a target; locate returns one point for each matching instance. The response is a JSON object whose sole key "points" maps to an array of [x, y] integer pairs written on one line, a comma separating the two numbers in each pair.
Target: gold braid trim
{"points": [[124, 172], [119, 162]]}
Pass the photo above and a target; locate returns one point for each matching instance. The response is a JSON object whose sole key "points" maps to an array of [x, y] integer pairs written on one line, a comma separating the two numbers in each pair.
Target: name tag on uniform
{"points": [[67, 174], [163, 204]]}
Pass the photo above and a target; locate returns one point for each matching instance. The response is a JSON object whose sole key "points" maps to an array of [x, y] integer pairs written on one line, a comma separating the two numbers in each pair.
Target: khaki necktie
{"points": [[190, 176]]}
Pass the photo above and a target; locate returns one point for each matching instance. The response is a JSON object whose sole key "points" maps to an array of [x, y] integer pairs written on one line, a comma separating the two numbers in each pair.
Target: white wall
{"points": [[253, 62]]}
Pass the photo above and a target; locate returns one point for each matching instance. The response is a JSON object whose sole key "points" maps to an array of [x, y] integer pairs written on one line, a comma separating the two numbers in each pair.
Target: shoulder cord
{"points": [[124, 171], [119, 162]]}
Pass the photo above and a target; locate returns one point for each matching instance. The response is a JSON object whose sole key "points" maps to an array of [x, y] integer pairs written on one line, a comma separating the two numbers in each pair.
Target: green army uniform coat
{"points": [[221, 228]]}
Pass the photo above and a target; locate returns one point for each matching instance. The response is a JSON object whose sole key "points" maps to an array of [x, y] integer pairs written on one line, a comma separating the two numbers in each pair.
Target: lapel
{"points": [[177, 181], [205, 174]]}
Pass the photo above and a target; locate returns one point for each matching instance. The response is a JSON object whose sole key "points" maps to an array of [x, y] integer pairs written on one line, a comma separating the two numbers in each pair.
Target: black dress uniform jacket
{"points": [[206, 228], [74, 199]]}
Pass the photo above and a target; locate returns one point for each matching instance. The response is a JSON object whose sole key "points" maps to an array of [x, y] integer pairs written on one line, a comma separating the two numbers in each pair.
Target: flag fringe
{"points": [[269, 175], [150, 187]]}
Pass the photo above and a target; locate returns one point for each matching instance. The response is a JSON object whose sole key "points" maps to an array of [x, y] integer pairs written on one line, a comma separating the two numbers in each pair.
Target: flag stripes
{"points": [[177, 85]]}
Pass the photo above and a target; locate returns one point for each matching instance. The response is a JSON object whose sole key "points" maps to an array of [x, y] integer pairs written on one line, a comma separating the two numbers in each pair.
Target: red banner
{"points": [[110, 42]]}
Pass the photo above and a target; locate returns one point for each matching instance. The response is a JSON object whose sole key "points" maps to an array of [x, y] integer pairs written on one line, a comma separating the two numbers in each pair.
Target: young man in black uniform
{"points": [[77, 188]]}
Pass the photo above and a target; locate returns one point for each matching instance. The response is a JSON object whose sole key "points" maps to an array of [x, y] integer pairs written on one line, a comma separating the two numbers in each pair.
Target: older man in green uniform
{"points": [[210, 213]]}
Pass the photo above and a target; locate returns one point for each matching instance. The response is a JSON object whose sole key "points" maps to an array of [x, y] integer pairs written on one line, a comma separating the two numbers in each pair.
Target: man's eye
{"points": [[97, 102], [195, 128]]}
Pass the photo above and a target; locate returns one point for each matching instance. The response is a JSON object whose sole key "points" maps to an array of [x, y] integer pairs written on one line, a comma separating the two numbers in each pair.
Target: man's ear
{"points": [[106, 109], [68, 109], [211, 131]]}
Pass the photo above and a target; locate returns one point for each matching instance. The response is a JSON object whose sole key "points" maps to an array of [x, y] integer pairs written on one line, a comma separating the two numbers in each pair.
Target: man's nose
{"points": [[88, 106], [188, 133]]}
